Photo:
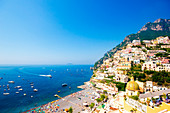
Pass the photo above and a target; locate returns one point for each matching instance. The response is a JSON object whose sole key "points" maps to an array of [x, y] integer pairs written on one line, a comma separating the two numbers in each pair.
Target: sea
{"points": [[27, 75]]}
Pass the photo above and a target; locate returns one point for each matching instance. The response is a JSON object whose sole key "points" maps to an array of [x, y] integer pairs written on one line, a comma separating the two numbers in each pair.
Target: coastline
{"points": [[63, 103]]}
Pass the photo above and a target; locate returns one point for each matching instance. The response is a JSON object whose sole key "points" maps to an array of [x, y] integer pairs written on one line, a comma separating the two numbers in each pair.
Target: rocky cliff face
{"points": [[159, 27]]}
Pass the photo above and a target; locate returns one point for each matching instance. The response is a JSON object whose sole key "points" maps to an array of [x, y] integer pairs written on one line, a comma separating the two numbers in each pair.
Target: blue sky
{"points": [[70, 31]]}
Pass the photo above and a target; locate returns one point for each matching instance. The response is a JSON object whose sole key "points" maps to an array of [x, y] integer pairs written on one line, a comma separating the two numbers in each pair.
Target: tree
{"points": [[70, 110], [105, 91], [102, 96], [98, 100], [131, 110], [91, 105]]}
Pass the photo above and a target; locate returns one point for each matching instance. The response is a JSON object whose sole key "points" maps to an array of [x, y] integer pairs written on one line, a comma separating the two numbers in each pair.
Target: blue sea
{"points": [[73, 75]]}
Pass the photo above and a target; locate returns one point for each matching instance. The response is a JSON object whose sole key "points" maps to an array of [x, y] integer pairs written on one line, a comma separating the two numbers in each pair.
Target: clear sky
{"points": [[70, 31]]}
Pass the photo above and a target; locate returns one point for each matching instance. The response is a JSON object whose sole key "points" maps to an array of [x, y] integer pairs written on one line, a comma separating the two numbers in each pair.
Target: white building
{"points": [[149, 65]]}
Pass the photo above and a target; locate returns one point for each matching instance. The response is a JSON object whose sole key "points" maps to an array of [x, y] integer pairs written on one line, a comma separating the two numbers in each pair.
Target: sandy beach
{"points": [[74, 100]]}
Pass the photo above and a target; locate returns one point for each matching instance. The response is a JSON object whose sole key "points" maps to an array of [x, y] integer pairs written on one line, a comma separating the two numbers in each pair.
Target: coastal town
{"points": [[135, 79]]}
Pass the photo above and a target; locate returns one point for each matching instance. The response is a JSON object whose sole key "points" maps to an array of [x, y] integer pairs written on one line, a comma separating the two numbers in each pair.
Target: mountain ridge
{"points": [[149, 31]]}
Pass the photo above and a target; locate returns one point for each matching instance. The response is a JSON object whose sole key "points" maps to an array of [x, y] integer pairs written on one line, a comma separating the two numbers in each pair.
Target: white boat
{"points": [[19, 76], [35, 90], [32, 86], [20, 89], [46, 76], [12, 82], [64, 84], [56, 95], [5, 93], [31, 96], [25, 94], [16, 92]]}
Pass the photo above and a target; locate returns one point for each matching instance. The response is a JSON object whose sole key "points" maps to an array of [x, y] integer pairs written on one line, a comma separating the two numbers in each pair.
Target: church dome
{"points": [[132, 85]]}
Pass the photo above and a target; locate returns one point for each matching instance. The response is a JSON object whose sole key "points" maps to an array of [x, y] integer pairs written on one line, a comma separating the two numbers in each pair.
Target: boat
{"points": [[31, 96], [32, 86], [64, 84], [46, 76], [16, 92], [35, 90], [25, 94], [59, 91], [19, 76], [11, 82], [20, 89], [56, 95], [69, 87], [5, 93], [17, 87]]}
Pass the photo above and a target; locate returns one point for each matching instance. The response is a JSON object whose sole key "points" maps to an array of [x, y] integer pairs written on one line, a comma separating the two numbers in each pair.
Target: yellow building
{"points": [[132, 88]]}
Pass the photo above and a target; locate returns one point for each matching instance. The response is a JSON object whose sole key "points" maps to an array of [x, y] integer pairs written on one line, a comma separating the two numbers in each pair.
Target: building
{"points": [[146, 41], [165, 46], [136, 42], [159, 106], [149, 65], [155, 51], [121, 78], [149, 86], [132, 88]]}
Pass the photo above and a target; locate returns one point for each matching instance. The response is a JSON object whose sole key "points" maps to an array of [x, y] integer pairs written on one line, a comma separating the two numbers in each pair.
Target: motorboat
{"points": [[58, 91], [25, 94], [20, 89], [46, 76], [17, 87], [11, 82], [64, 84], [32, 86], [56, 95], [5, 93], [16, 92], [35, 90], [31, 96]]}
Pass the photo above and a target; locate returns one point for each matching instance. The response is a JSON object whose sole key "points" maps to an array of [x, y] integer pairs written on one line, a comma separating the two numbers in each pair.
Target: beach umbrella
{"points": [[66, 110], [103, 106]]}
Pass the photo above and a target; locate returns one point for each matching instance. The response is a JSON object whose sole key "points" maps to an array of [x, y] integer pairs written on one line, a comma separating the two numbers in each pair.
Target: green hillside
{"points": [[160, 27]]}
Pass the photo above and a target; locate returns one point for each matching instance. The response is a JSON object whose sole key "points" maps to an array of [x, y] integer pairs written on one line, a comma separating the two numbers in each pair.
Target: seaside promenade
{"points": [[76, 100]]}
